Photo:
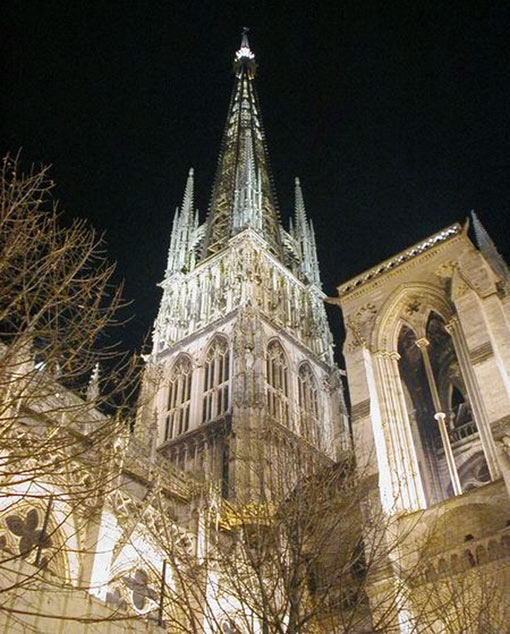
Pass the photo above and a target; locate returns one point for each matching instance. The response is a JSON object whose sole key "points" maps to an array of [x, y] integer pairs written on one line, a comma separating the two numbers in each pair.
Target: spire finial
{"points": [[244, 36], [245, 57]]}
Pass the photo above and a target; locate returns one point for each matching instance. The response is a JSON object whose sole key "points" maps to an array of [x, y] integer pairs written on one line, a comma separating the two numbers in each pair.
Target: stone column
{"points": [[395, 420], [503, 453], [482, 420], [440, 416]]}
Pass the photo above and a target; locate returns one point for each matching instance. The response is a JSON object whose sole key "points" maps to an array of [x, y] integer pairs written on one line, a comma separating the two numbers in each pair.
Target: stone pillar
{"points": [[401, 455], [503, 453], [475, 398], [499, 333], [103, 533], [440, 416]]}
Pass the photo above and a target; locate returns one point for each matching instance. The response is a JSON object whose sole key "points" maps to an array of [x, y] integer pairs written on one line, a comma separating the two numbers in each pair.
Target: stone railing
{"points": [[470, 554], [138, 462], [463, 432]]}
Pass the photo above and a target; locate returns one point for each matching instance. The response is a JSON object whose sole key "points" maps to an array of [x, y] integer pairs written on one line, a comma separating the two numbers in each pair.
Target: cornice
{"points": [[358, 285]]}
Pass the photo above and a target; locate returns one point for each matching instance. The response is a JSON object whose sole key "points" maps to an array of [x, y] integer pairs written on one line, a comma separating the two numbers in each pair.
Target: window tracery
{"points": [[434, 382], [277, 383], [27, 533], [308, 402], [177, 415], [216, 380]]}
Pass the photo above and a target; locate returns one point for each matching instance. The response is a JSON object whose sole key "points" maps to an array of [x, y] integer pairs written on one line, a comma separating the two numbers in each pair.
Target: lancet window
{"points": [[308, 402], [177, 416], [436, 398], [216, 380], [277, 380]]}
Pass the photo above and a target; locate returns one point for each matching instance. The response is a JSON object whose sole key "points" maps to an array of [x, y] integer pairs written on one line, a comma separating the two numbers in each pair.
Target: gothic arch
{"points": [[428, 374], [177, 397], [216, 337], [409, 304], [308, 402], [22, 517], [277, 381], [216, 378]]}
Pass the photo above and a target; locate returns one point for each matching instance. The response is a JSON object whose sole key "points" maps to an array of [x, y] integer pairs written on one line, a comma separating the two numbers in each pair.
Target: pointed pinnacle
{"points": [[300, 211], [244, 37], [244, 57], [93, 386], [489, 249], [187, 202]]}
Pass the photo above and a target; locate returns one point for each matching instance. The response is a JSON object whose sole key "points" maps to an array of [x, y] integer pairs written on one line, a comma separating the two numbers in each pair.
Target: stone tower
{"points": [[242, 365], [428, 366], [427, 353]]}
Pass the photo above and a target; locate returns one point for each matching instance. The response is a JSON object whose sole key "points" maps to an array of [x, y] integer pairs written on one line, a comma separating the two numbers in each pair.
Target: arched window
{"points": [[277, 383], [433, 379], [179, 399], [308, 403], [216, 378]]}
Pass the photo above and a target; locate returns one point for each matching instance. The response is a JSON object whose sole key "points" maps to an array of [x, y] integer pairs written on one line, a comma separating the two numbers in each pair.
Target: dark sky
{"points": [[395, 116]]}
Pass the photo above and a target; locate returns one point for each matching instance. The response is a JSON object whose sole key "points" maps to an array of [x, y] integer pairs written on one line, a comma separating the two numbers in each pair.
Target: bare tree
{"points": [[462, 589], [301, 556], [57, 432]]}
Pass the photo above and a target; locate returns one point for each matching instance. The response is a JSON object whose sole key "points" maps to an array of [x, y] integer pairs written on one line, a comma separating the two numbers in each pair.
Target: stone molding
{"points": [[481, 353]]}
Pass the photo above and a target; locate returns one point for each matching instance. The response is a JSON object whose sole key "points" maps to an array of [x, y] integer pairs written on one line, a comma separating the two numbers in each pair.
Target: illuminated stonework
{"points": [[428, 365], [242, 277], [240, 398]]}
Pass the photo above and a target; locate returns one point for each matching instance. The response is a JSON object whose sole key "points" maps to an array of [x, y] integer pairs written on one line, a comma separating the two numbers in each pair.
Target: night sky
{"points": [[394, 115]]}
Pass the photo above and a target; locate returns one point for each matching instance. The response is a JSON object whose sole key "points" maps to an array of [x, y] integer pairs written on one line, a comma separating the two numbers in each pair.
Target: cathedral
{"points": [[245, 497]]}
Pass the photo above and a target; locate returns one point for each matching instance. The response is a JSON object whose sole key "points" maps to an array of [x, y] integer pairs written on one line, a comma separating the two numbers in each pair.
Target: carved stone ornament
{"points": [[504, 450], [360, 325], [412, 306], [459, 285], [332, 382], [446, 269], [355, 338]]}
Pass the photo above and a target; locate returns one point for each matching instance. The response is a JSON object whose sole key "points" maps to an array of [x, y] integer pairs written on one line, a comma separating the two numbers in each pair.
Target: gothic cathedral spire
{"points": [[242, 195], [242, 352]]}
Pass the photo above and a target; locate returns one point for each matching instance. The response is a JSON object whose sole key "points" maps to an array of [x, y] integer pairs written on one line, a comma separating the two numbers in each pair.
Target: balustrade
{"points": [[471, 554]]}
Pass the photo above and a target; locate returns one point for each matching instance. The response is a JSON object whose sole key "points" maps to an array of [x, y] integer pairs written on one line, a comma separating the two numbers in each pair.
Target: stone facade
{"points": [[427, 365]]}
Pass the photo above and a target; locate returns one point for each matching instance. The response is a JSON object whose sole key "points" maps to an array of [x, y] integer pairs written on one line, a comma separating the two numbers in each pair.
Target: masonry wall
{"points": [[37, 606]]}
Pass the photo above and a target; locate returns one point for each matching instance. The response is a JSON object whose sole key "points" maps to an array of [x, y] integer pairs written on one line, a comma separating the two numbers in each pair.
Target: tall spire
{"points": [[242, 194], [302, 231], [181, 255], [489, 250]]}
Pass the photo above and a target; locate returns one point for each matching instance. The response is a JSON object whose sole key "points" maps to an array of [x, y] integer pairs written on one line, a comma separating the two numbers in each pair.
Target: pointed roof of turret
{"points": [[181, 255], [303, 233], [93, 386], [489, 249], [243, 194], [300, 211]]}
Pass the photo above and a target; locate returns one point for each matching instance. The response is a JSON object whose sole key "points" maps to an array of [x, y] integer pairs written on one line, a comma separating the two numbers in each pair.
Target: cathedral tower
{"points": [[242, 364]]}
